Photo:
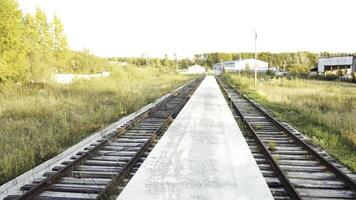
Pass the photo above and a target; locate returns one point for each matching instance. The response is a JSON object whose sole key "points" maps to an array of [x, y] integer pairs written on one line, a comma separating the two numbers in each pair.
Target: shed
{"points": [[313, 71], [334, 64]]}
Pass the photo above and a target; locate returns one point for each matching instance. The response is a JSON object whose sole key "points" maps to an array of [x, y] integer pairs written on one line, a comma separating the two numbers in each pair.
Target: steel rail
{"points": [[126, 170], [338, 173], [291, 190], [52, 179]]}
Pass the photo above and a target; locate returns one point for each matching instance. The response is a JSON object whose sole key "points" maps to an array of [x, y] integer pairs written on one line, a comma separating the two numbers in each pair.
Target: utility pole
{"points": [[144, 57], [175, 56], [255, 61], [239, 60], [146, 61], [284, 71], [222, 66]]}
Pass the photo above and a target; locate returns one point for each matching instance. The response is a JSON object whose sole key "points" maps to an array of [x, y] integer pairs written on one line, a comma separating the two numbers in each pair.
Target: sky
{"points": [[154, 28]]}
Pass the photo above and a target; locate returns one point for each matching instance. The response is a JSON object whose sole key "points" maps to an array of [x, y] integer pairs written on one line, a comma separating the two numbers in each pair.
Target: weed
{"points": [[258, 126], [325, 111], [276, 158], [272, 145], [37, 123]]}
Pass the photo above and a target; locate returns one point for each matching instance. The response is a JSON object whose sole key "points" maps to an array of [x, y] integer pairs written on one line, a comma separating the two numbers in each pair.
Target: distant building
{"points": [[334, 64], [195, 69], [240, 65], [313, 71], [69, 78], [118, 63], [273, 69]]}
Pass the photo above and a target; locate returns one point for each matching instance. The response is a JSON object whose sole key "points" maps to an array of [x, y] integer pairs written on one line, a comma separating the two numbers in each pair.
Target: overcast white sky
{"points": [[186, 27]]}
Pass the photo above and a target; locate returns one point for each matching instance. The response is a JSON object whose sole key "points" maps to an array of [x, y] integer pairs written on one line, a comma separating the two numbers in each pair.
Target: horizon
{"points": [[188, 28]]}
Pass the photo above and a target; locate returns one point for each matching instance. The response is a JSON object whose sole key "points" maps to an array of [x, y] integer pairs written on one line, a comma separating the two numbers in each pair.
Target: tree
{"points": [[184, 63], [12, 55], [60, 44], [157, 62], [165, 62], [39, 45], [85, 62]]}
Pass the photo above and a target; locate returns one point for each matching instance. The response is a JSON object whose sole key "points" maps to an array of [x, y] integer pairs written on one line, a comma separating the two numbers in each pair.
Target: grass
{"points": [[39, 121], [324, 111], [272, 145]]}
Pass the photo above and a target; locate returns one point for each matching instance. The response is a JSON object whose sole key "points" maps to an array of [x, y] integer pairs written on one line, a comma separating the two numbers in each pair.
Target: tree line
{"points": [[296, 62], [33, 48], [166, 63]]}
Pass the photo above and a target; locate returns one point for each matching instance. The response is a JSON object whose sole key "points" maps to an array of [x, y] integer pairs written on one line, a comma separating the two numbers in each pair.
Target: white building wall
{"points": [[195, 69], [69, 78], [238, 65], [217, 67]]}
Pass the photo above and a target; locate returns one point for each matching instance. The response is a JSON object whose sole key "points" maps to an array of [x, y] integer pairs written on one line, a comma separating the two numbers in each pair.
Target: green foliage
{"points": [[298, 69], [33, 48], [327, 77], [272, 146], [156, 62], [12, 59], [85, 62], [39, 45], [60, 45]]}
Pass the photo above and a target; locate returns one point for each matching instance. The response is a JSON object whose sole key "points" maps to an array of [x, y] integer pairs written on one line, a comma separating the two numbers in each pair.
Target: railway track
{"points": [[292, 166], [107, 164]]}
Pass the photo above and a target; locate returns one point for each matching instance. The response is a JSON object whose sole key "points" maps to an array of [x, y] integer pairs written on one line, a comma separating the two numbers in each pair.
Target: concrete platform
{"points": [[202, 156]]}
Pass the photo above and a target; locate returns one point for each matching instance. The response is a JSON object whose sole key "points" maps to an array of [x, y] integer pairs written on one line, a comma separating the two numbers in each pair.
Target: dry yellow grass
{"points": [[325, 111], [39, 121]]}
